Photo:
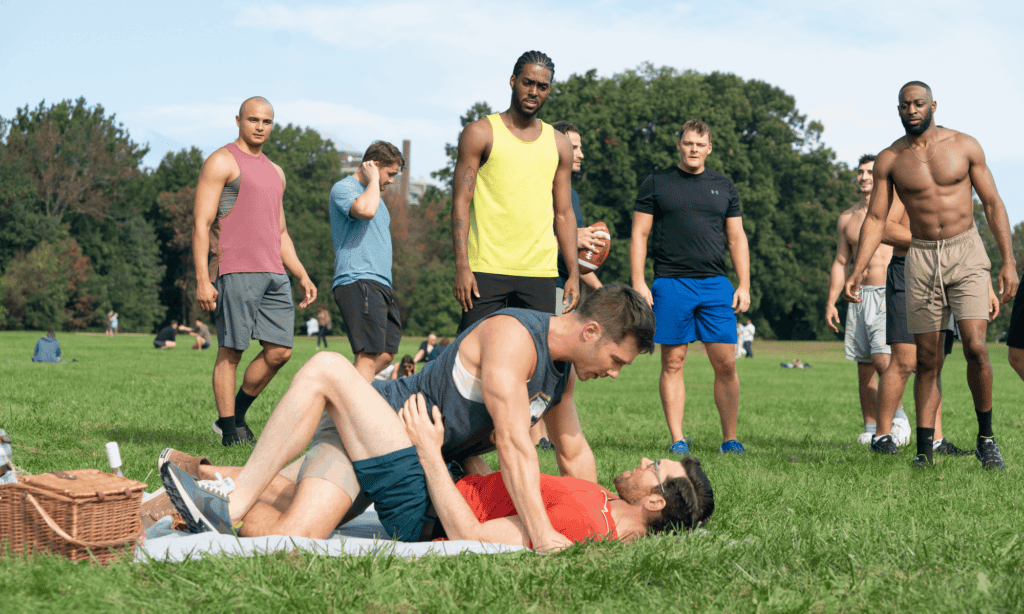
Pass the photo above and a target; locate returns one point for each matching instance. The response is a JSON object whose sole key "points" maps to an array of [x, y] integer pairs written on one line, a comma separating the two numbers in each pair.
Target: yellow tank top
{"points": [[511, 220]]}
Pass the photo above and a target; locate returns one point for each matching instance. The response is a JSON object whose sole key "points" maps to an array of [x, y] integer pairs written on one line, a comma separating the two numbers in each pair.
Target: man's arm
{"points": [[565, 221], [365, 206], [874, 222], [736, 239], [642, 223], [475, 141], [995, 213], [459, 521], [575, 458], [215, 174], [504, 370], [591, 280], [837, 274], [291, 262], [895, 233]]}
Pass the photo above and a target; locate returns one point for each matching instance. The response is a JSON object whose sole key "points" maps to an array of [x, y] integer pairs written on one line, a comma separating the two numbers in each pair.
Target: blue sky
{"points": [[174, 73]]}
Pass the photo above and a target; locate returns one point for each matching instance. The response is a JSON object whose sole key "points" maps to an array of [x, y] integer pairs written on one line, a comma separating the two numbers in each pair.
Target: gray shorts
{"points": [[327, 459], [865, 325], [254, 306]]}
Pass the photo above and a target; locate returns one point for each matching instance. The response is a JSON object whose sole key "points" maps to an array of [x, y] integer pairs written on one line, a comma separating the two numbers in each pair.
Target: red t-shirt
{"points": [[578, 509]]}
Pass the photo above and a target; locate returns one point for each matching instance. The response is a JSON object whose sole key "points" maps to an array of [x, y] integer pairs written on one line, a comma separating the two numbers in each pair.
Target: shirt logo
{"points": [[714, 191]]}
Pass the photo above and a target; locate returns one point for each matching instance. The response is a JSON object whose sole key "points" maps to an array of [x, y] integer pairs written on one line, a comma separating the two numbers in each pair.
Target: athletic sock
{"points": [[937, 443], [984, 423], [925, 440], [242, 403], [228, 433], [900, 413], [871, 427]]}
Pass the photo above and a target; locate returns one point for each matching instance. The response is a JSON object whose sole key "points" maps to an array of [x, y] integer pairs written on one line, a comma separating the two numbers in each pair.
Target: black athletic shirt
{"points": [[166, 333], [689, 221]]}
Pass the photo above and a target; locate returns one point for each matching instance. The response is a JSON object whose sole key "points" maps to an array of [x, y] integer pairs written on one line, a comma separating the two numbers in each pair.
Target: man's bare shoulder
{"points": [[220, 164]]}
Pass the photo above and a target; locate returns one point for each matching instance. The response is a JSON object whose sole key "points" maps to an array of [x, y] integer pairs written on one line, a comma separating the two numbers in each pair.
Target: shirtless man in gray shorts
{"points": [[933, 171]]}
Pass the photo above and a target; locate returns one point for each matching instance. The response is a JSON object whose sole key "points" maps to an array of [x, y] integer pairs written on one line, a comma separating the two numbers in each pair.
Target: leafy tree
{"points": [[46, 288]]}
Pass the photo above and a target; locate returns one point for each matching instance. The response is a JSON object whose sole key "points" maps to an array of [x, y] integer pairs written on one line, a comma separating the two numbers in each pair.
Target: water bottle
{"points": [[114, 456]]}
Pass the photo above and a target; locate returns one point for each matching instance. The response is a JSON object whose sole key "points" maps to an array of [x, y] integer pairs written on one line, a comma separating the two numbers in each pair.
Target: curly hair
{"points": [[689, 501]]}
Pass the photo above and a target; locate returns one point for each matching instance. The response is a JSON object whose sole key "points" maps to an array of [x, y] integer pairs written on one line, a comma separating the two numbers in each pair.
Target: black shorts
{"points": [[371, 315], [896, 330], [1015, 336], [501, 291]]}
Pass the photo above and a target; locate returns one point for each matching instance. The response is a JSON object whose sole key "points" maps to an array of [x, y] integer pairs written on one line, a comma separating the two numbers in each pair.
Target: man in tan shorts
{"points": [[933, 171]]}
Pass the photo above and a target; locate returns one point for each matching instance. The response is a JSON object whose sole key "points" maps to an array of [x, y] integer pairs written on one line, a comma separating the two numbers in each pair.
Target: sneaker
{"points": [[545, 444], [921, 461], [681, 447], [732, 447], [865, 438], [216, 429], [188, 463], [244, 435], [988, 453], [202, 504], [946, 448], [884, 445], [900, 431]]}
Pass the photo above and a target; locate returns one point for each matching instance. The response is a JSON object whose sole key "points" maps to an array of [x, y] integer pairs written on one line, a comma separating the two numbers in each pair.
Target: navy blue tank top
{"points": [[468, 428]]}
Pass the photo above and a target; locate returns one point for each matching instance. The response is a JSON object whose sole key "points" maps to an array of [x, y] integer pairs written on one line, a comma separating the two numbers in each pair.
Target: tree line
{"points": [[85, 228]]}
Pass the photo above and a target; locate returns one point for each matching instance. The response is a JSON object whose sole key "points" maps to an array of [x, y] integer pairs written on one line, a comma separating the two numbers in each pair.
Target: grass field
{"points": [[806, 521]]}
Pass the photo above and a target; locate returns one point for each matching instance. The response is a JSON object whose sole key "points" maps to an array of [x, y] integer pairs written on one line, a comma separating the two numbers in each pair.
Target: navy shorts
{"points": [[398, 488], [689, 310]]}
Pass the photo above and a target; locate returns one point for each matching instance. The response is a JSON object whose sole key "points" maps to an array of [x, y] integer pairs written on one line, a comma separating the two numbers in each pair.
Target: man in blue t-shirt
{"points": [[694, 213], [360, 228], [47, 349]]}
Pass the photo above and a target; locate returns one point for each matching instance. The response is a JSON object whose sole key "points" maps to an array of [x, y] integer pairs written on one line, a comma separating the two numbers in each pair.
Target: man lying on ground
{"points": [[497, 379]]}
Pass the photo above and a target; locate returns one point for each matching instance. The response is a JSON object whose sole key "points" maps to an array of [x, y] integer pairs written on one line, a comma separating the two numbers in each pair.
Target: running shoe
{"points": [[732, 447], [884, 445], [545, 445], [900, 431], [921, 461], [946, 448], [188, 463], [865, 438], [681, 447], [202, 504], [988, 453], [244, 434]]}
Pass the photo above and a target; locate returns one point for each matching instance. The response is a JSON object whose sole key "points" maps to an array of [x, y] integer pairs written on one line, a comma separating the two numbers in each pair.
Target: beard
{"points": [[625, 492], [926, 122], [517, 104]]}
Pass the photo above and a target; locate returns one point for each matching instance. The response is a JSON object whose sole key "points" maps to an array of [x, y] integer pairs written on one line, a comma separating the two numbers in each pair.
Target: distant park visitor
{"points": [[166, 337], [47, 349], [241, 249]]}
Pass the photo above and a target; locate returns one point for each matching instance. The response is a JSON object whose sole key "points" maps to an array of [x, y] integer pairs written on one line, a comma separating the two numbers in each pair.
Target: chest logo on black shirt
{"points": [[714, 192]]}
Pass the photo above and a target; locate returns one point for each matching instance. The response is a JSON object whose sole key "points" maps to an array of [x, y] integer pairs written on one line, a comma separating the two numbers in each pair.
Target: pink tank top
{"points": [[248, 239]]}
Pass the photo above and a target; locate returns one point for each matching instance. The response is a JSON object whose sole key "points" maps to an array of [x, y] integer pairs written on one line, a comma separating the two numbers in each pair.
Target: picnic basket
{"points": [[81, 514]]}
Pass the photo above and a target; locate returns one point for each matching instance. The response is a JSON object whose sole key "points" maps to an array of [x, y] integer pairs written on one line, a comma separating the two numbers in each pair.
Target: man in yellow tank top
{"points": [[511, 185]]}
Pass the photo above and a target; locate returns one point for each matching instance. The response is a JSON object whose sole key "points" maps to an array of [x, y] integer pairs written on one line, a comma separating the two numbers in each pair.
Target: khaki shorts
{"points": [[327, 459], [944, 276]]}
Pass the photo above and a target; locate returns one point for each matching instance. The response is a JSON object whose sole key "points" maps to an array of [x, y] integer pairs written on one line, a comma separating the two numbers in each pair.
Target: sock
{"points": [[925, 441], [227, 429], [937, 443], [242, 403], [985, 423], [871, 427], [900, 413]]}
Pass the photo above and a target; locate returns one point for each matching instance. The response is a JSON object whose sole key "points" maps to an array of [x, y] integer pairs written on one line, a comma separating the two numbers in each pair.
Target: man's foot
{"points": [[921, 461], [884, 445], [732, 447], [865, 438], [988, 453], [945, 447], [242, 435], [188, 463], [900, 431], [203, 504], [545, 444], [681, 447]]}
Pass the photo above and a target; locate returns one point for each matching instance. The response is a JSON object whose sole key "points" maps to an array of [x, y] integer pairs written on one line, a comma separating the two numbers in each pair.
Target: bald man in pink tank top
{"points": [[241, 249]]}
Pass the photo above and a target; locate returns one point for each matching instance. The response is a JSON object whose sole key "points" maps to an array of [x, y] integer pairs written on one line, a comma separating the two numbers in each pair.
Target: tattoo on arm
{"points": [[470, 177]]}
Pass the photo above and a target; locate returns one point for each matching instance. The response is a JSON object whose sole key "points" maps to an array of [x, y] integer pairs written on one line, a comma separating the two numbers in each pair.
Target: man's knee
{"points": [[976, 350], [1016, 359], [229, 356], [673, 360], [276, 357]]}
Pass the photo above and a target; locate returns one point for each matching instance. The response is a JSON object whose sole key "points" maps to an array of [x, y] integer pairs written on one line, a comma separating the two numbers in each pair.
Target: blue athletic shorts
{"points": [[693, 310], [398, 488]]}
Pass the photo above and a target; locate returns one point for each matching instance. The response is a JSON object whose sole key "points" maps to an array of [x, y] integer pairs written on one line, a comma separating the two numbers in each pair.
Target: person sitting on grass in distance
{"points": [[423, 354], [796, 364], [47, 349], [655, 497], [201, 332], [439, 348], [405, 368], [165, 338]]}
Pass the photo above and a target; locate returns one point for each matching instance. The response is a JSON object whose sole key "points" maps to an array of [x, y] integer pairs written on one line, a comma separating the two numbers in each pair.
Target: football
{"points": [[590, 261]]}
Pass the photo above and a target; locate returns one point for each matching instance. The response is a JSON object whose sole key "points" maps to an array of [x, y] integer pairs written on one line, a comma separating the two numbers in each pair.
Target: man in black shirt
{"points": [[694, 213], [165, 338]]}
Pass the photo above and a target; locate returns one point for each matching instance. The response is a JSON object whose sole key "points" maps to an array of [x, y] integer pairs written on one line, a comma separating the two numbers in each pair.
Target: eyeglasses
{"points": [[657, 471]]}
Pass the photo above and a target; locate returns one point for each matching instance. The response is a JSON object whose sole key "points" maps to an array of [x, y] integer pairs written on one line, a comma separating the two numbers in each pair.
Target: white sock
{"points": [[937, 443], [900, 413], [871, 427]]}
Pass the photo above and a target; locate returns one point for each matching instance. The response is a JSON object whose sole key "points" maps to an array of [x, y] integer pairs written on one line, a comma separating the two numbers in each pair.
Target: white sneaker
{"points": [[865, 438], [901, 431]]}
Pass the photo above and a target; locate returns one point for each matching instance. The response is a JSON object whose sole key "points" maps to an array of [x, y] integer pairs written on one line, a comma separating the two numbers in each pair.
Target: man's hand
{"points": [[832, 318], [851, 292], [740, 300], [465, 288], [372, 172], [993, 304], [206, 294], [587, 238], [552, 542], [1007, 283], [644, 292], [425, 429], [571, 293], [309, 290]]}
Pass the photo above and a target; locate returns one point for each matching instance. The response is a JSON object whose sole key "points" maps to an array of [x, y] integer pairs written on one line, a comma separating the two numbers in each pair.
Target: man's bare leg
{"points": [[892, 384], [370, 364], [672, 388], [867, 387], [224, 380], [930, 358], [264, 367], [1016, 358], [727, 387]]}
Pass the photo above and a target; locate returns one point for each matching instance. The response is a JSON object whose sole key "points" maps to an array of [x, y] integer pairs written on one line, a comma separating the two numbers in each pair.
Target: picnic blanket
{"points": [[363, 535]]}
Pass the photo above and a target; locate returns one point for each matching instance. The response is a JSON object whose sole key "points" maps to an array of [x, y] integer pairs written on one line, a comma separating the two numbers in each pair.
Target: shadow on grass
{"points": [[162, 436]]}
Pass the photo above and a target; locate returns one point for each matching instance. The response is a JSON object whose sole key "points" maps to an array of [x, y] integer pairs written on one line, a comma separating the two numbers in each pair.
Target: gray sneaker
{"points": [[988, 453], [202, 504]]}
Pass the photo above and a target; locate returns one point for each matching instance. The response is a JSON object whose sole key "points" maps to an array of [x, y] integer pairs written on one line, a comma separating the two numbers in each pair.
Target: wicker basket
{"points": [[82, 514]]}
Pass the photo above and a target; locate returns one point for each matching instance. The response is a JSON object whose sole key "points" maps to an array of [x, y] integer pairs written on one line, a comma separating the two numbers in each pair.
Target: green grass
{"points": [[807, 520]]}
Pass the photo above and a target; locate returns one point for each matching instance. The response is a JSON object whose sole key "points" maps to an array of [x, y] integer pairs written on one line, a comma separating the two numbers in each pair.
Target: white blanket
{"points": [[363, 535]]}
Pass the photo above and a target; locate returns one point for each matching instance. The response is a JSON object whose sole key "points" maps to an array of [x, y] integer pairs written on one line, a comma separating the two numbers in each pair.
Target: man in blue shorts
{"points": [[498, 378], [694, 214]]}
